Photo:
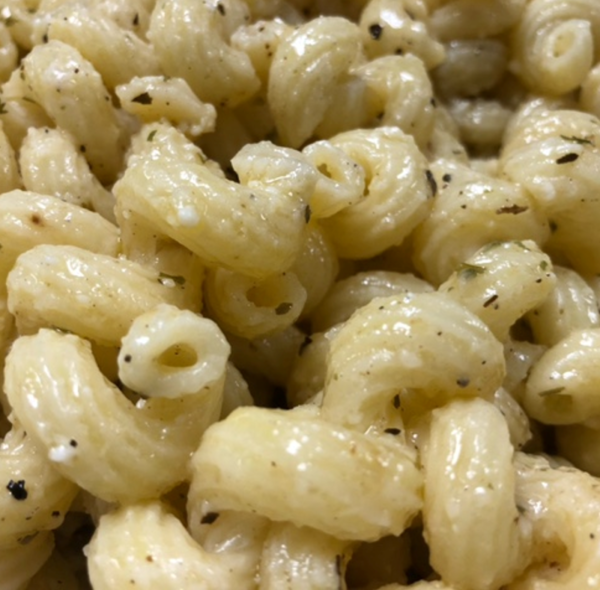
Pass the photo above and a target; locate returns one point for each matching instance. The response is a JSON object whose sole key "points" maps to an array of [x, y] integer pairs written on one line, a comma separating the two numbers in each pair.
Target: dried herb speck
{"points": [[375, 31], [283, 308], [567, 158], [17, 489], [143, 98]]}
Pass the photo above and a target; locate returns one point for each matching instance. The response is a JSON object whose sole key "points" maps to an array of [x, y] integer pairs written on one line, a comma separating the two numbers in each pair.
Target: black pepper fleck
{"points": [[375, 31], [307, 213], [432, 182], [17, 489], [567, 158], [283, 308], [491, 300], [209, 518], [512, 209], [143, 98]]}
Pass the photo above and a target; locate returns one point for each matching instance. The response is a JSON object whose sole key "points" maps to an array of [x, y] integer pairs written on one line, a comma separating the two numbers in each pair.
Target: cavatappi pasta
{"points": [[299, 294]]}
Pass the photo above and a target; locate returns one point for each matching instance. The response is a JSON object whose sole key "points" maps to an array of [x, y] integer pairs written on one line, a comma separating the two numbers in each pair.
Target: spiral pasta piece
{"points": [[117, 54], [153, 98], [571, 305], [470, 497], [555, 44], [94, 435], [191, 41], [57, 287], [502, 282], [250, 308], [398, 192], [294, 558], [472, 210], [562, 385], [71, 91], [402, 95], [561, 503], [29, 219], [254, 228], [294, 466], [322, 52], [553, 155], [146, 544], [51, 164], [402, 336], [391, 27]]}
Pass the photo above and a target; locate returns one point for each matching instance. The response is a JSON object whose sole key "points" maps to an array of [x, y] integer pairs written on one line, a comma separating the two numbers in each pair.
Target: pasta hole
{"points": [[178, 356], [324, 170], [264, 295]]}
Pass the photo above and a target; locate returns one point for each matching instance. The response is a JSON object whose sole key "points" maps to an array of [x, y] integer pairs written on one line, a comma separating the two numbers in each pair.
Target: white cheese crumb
{"points": [[188, 216], [61, 453]]}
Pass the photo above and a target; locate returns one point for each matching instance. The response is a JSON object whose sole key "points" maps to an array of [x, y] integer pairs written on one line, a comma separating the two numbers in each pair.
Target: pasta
{"points": [[301, 450], [464, 490], [299, 294], [69, 430]]}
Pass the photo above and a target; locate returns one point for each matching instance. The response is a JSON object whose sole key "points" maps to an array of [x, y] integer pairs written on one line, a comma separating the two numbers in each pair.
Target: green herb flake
{"points": [[151, 135], [143, 98], [283, 308], [3, 110], [553, 391], [511, 209], [567, 158], [393, 431], [177, 279], [579, 140], [544, 265], [307, 213], [468, 271], [27, 99]]}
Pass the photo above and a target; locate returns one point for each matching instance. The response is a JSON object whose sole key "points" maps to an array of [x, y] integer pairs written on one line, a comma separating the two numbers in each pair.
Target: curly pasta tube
{"points": [[472, 525], [94, 435], [400, 337], [294, 466], [146, 546], [562, 504]]}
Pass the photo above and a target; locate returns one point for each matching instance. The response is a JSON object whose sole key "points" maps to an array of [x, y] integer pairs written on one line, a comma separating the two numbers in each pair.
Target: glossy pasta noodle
{"points": [[299, 294]]}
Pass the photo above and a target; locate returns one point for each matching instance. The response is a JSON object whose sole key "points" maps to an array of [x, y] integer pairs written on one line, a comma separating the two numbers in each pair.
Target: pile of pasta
{"points": [[300, 294]]}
